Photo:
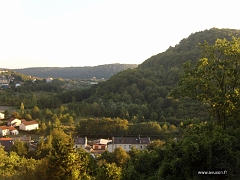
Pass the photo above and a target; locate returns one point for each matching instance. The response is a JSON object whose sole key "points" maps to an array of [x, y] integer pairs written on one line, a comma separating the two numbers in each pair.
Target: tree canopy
{"points": [[215, 79]]}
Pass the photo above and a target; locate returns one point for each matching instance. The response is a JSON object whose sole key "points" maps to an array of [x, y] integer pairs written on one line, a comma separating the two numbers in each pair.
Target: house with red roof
{"points": [[100, 144], [4, 131], [7, 130], [29, 125]]}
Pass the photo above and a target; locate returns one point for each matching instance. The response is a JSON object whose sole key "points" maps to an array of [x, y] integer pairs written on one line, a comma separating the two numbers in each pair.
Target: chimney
{"points": [[85, 141]]}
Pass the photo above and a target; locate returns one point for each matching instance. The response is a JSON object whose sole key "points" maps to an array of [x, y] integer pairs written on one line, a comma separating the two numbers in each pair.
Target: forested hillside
{"points": [[138, 94], [189, 109], [87, 72], [143, 91]]}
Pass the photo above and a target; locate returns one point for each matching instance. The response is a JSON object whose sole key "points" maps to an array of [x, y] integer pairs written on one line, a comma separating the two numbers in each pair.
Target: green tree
{"points": [[6, 113], [34, 100], [153, 116], [27, 116], [22, 108], [120, 156], [43, 127], [87, 164], [36, 113], [154, 144], [215, 79], [16, 115], [56, 121], [205, 146], [63, 161], [20, 148], [109, 171]]}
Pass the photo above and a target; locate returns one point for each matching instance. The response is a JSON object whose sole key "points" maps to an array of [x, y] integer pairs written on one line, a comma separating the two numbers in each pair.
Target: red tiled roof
{"points": [[12, 128], [8, 127], [3, 127], [27, 123], [5, 139]]}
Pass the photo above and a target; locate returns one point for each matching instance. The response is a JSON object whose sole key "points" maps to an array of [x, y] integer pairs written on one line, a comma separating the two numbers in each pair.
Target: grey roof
{"points": [[131, 140], [7, 144], [80, 140]]}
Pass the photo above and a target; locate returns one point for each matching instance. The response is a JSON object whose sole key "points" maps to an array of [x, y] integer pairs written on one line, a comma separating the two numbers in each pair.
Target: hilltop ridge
{"points": [[102, 71]]}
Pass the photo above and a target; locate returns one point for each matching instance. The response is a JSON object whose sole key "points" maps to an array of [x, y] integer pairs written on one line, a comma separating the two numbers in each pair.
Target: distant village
{"points": [[10, 133], [11, 128], [4, 81]]}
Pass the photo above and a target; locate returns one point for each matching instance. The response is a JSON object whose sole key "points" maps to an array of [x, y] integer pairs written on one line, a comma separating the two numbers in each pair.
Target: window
{"points": [[130, 146], [124, 146]]}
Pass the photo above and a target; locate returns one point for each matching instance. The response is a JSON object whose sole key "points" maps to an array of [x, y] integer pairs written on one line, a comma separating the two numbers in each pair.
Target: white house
{"points": [[4, 130], [13, 130], [29, 125], [2, 115], [80, 142], [128, 142], [14, 122], [49, 79]]}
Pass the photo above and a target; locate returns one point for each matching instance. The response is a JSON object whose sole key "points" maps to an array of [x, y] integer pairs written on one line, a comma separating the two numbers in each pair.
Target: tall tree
{"points": [[36, 113], [64, 161], [215, 79], [22, 108]]}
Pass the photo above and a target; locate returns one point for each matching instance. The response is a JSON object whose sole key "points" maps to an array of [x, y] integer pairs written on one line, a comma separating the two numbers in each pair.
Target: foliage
{"points": [[139, 94], [63, 160], [20, 148], [109, 127], [137, 102], [214, 79], [108, 171], [205, 147], [210, 150]]}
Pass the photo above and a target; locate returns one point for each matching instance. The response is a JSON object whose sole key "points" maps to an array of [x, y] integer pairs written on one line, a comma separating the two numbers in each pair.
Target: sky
{"points": [[65, 33]]}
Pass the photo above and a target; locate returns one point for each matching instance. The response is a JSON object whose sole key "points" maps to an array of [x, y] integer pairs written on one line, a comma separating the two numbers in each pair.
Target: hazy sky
{"points": [[63, 33]]}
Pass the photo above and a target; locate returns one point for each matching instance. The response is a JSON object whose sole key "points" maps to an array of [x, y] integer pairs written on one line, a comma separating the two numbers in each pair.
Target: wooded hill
{"points": [[86, 72], [143, 91]]}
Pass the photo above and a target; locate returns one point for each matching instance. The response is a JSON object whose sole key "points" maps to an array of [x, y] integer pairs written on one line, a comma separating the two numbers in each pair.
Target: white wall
{"points": [[2, 116]]}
